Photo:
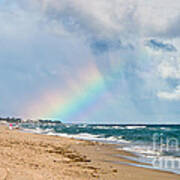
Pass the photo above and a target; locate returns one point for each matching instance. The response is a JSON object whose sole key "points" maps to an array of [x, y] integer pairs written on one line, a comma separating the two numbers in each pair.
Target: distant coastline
{"points": [[19, 120]]}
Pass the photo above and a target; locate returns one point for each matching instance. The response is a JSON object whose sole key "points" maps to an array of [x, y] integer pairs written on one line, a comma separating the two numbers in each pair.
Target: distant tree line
{"points": [[49, 121], [19, 120], [11, 120]]}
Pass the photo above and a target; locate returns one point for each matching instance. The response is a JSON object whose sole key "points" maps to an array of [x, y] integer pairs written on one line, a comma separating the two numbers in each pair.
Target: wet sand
{"points": [[26, 156]]}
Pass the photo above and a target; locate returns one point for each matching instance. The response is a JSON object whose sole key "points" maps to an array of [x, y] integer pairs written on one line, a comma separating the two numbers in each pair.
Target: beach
{"points": [[34, 156]]}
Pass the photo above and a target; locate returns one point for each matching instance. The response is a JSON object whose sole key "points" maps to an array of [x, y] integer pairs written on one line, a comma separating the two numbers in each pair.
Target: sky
{"points": [[92, 61]]}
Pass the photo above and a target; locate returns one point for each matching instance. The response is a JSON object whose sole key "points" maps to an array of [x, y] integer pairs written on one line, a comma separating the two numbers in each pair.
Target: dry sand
{"points": [[26, 156]]}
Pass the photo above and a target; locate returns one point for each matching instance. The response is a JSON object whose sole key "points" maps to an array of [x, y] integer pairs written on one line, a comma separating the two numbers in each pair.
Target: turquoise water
{"points": [[132, 133]]}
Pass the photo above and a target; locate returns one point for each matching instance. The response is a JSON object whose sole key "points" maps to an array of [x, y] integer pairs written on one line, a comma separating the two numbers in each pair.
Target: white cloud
{"points": [[116, 16], [128, 19], [175, 95], [170, 68], [103, 13], [156, 15]]}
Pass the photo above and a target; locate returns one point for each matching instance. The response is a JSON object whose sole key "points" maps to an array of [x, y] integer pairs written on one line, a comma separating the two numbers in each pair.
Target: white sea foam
{"points": [[141, 150], [38, 131], [108, 127], [145, 154], [118, 127], [166, 128], [83, 136], [135, 127], [102, 127]]}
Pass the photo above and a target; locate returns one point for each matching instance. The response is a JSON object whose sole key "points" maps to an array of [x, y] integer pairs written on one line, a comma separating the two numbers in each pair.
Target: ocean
{"points": [[156, 146]]}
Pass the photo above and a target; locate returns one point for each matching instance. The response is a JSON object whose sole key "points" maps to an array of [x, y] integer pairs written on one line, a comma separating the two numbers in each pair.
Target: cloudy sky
{"points": [[92, 61]]}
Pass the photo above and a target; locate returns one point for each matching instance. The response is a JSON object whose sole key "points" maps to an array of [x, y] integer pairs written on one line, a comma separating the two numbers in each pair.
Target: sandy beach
{"points": [[26, 156]]}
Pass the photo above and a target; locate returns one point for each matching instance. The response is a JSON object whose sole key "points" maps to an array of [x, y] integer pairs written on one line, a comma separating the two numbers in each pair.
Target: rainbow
{"points": [[63, 104]]}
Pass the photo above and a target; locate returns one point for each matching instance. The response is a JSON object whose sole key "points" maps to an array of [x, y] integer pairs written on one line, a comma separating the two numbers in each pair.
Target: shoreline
{"points": [[53, 157], [133, 158]]}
